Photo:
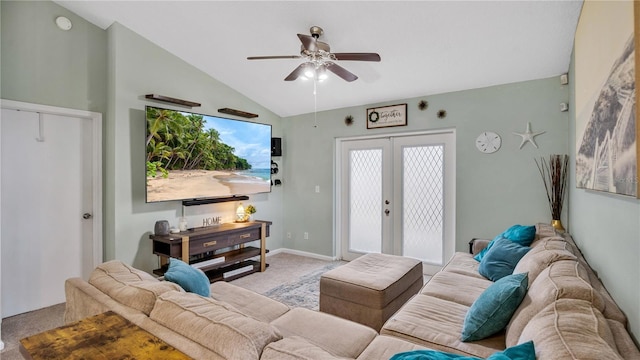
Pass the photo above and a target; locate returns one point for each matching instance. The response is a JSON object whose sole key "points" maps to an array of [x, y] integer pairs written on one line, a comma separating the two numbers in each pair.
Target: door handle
{"points": [[386, 212], [87, 216]]}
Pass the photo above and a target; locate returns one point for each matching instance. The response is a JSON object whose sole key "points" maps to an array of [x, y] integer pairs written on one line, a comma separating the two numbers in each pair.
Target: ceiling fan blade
{"points": [[357, 56], [309, 42], [340, 71], [299, 71], [273, 57]]}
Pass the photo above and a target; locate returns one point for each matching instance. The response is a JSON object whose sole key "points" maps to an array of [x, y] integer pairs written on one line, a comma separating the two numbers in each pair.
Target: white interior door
{"points": [[48, 206], [396, 195]]}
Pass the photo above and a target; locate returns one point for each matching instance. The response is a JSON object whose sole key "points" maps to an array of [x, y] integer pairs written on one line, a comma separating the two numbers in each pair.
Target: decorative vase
{"points": [[161, 227], [557, 224]]}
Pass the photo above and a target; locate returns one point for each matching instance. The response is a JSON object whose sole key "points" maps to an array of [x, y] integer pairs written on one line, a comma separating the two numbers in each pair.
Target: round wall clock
{"points": [[488, 142]]}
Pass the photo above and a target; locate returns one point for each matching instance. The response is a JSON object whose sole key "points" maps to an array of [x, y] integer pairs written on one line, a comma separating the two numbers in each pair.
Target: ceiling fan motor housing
{"points": [[316, 31]]}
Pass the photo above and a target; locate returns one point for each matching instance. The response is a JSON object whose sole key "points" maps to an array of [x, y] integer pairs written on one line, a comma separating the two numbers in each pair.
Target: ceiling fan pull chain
{"points": [[315, 103]]}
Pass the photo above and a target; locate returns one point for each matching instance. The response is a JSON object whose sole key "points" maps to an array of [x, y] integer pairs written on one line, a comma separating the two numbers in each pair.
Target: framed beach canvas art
{"points": [[605, 79]]}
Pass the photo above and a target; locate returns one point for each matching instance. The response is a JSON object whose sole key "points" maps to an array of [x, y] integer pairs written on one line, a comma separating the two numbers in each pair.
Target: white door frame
{"points": [[337, 239], [96, 121]]}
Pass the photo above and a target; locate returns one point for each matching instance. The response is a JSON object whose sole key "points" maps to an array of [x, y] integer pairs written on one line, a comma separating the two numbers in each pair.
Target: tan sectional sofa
{"points": [[567, 313]]}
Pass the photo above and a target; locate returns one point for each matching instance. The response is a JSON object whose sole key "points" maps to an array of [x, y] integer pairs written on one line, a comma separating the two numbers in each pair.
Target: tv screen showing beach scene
{"points": [[195, 156]]}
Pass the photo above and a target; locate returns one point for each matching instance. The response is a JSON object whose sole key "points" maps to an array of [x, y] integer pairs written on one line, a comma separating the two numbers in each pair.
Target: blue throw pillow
{"points": [[492, 310], [520, 234], [501, 259], [189, 278], [524, 351]]}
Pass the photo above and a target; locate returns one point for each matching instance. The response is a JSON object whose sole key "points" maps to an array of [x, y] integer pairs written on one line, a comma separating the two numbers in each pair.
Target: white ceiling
{"points": [[427, 47]]}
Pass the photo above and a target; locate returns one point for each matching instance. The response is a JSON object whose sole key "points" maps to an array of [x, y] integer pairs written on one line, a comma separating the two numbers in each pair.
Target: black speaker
{"points": [[276, 147]]}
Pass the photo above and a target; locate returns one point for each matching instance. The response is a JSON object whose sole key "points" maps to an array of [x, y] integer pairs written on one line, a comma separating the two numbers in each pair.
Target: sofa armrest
{"points": [[82, 300], [476, 245]]}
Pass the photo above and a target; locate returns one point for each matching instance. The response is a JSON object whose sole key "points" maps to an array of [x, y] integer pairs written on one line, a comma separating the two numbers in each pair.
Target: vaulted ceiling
{"points": [[427, 47]]}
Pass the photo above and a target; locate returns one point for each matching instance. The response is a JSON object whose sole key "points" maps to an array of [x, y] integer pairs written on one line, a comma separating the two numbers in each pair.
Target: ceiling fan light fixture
{"points": [[321, 71], [309, 70]]}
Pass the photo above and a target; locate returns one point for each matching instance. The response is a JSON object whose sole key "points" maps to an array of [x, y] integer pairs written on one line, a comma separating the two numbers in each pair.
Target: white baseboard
{"points": [[301, 253]]}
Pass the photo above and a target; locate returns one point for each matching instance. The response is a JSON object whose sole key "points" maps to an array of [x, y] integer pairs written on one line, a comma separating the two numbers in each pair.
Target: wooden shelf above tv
{"points": [[237, 113], [172, 100]]}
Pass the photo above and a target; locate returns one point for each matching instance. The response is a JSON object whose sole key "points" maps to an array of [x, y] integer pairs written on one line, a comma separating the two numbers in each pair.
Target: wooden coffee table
{"points": [[105, 336]]}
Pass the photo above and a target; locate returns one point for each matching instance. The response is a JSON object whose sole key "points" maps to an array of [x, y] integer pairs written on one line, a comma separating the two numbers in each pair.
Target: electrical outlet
{"points": [[317, 188], [288, 235], [306, 235]]}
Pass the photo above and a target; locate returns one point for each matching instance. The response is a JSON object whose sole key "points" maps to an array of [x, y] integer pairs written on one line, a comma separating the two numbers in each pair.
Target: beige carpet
{"points": [[286, 274], [17, 327]]}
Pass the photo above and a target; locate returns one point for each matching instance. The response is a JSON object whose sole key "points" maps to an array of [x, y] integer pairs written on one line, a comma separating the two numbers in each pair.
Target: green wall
{"points": [[45, 65], [138, 67], [493, 191]]}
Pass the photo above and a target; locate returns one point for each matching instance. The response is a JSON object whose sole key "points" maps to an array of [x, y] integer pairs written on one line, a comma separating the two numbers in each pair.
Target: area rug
{"points": [[304, 292]]}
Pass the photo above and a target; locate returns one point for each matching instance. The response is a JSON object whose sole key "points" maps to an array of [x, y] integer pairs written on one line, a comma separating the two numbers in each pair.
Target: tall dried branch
{"points": [[554, 174]]}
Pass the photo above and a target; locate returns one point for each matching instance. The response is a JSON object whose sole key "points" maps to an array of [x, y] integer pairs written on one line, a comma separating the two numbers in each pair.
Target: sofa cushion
{"points": [[189, 278], [296, 348], [501, 259], [339, 337], [553, 243], [437, 324], [463, 263], [248, 302], [565, 279], [626, 347], [520, 234], [384, 347], [214, 325], [541, 256], [545, 230], [491, 312], [570, 329], [459, 288], [525, 351], [130, 287]]}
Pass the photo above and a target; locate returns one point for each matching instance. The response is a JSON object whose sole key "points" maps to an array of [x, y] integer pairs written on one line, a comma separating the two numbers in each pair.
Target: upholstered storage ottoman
{"points": [[371, 288]]}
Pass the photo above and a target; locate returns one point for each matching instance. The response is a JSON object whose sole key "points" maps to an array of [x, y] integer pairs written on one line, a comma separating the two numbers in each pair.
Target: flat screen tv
{"points": [[194, 156]]}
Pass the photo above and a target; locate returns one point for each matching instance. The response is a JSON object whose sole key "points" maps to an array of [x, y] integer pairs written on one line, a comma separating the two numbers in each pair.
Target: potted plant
{"points": [[248, 211], [554, 174]]}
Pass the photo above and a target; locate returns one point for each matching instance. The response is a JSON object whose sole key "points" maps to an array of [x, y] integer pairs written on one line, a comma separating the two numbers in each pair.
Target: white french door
{"points": [[396, 195]]}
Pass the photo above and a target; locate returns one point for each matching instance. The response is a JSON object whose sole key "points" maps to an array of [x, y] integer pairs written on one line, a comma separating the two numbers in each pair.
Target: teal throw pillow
{"points": [[479, 256], [524, 351], [492, 310], [501, 259], [189, 278], [520, 234]]}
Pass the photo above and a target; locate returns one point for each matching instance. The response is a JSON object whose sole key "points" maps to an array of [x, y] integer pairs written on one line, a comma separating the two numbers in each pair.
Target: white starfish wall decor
{"points": [[528, 136]]}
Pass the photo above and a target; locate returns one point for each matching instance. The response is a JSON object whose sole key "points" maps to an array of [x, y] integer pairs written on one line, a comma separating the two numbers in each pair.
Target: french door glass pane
{"points": [[423, 203], [365, 189]]}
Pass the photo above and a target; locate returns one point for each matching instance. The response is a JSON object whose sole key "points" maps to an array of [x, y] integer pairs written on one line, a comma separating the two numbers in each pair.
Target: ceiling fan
{"points": [[319, 58]]}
